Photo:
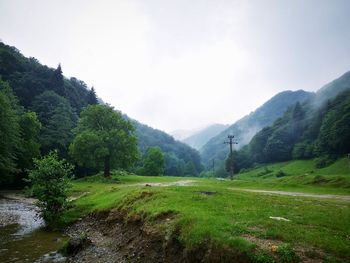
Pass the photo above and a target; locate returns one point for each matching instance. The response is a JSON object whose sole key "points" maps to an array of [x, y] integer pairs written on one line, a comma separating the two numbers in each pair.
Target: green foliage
{"points": [[58, 119], [104, 139], [58, 101], [92, 98], [177, 154], [19, 138], [30, 148], [173, 165], [303, 132], [245, 128], [50, 181], [153, 162], [9, 133], [190, 169], [323, 161]]}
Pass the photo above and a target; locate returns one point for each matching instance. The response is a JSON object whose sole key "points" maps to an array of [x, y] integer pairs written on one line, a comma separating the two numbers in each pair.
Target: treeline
{"points": [[180, 159], [42, 97], [305, 131], [245, 128]]}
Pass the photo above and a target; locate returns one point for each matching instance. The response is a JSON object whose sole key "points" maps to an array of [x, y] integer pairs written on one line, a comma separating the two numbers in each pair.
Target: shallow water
{"points": [[22, 237]]}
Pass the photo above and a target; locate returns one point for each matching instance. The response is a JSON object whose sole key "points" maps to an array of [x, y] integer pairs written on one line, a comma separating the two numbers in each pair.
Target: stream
{"points": [[22, 234]]}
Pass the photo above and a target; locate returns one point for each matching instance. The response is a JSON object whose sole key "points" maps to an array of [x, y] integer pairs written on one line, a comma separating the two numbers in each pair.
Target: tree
{"points": [[190, 169], [57, 81], [58, 119], [9, 132], [92, 98], [153, 163], [104, 139], [50, 181], [29, 143]]}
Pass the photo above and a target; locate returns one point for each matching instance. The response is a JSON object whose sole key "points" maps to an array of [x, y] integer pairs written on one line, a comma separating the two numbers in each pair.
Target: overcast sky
{"points": [[182, 64]]}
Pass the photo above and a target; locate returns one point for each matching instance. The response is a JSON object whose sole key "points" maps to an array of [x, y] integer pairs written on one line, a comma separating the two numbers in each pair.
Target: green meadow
{"points": [[222, 213]]}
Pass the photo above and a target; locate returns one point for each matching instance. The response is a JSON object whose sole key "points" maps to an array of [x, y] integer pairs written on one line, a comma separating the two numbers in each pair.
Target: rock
{"points": [[75, 244], [279, 218]]}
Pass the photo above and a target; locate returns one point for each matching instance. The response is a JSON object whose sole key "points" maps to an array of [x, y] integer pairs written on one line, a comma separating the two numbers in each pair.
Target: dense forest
{"points": [[319, 127], [40, 109], [245, 128]]}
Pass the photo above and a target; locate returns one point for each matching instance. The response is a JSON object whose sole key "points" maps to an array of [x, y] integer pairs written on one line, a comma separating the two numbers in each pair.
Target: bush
{"points": [[50, 181]]}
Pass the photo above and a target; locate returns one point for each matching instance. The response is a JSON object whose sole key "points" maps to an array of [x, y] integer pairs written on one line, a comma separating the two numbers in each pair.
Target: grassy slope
{"points": [[300, 176], [228, 215]]}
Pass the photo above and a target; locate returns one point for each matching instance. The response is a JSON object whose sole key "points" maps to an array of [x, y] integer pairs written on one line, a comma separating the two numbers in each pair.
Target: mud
{"points": [[113, 239]]}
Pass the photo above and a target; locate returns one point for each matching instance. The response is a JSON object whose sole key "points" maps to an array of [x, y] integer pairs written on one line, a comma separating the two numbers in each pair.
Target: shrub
{"points": [[50, 181]]}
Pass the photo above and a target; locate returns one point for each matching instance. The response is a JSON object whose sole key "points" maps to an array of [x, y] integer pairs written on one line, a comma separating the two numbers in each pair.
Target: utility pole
{"points": [[231, 142], [213, 167]]}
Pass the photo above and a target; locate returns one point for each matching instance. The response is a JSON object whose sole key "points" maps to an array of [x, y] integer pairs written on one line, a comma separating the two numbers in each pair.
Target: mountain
{"points": [[58, 102], [245, 128], [202, 136], [332, 89], [183, 134], [319, 128]]}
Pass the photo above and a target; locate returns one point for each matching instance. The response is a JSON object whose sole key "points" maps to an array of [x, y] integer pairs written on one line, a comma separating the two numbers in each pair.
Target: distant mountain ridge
{"points": [[201, 137], [245, 128]]}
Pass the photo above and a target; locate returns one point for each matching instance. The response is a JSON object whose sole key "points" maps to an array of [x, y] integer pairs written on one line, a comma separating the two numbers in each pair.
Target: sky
{"points": [[180, 64]]}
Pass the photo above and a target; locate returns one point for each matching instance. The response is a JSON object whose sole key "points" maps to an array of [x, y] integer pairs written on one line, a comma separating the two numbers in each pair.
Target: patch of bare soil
{"points": [[177, 183], [113, 239]]}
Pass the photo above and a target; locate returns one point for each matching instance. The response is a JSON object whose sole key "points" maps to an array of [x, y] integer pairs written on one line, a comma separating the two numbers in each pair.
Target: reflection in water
{"points": [[22, 239]]}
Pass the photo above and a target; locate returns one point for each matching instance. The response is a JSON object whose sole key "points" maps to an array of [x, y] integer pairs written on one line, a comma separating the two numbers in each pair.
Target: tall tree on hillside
{"points": [[92, 98], [57, 81], [58, 119], [104, 139], [29, 144]]}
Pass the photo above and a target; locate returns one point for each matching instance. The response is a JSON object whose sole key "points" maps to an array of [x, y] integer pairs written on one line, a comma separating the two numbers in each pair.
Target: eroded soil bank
{"points": [[112, 238]]}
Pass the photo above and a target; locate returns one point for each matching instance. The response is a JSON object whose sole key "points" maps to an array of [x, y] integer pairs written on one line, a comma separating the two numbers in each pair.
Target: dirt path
{"points": [[321, 196], [176, 183]]}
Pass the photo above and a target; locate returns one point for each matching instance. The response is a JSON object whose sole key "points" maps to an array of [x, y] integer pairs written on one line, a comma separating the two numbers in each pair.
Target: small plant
{"points": [[262, 258], [287, 254], [50, 181]]}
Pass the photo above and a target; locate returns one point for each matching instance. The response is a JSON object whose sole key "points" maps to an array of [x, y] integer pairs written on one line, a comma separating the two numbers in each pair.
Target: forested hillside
{"points": [[245, 128], [317, 128], [180, 159], [49, 104]]}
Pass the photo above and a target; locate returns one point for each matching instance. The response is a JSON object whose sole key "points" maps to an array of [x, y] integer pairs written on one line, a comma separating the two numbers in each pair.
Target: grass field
{"points": [[209, 210]]}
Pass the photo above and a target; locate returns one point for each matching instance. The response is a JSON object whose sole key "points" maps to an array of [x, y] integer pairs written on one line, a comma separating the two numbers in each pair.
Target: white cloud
{"points": [[183, 64]]}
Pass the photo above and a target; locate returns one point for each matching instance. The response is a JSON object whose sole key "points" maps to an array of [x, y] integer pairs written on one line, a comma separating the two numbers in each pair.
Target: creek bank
{"points": [[113, 238], [22, 237]]}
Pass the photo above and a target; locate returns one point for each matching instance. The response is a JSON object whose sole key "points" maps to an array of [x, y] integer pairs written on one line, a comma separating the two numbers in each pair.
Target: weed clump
{"points": [[287, 254]]}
